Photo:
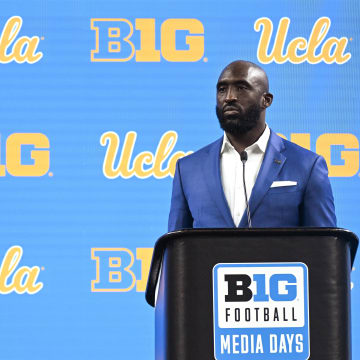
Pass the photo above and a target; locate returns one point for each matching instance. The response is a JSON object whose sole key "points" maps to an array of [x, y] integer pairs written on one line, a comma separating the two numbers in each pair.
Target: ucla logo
{"points": [[314, 50], [20, 49], [17, 148], [146, 163], [115, 269], [261, 311], [115, 40], [18, 279]]}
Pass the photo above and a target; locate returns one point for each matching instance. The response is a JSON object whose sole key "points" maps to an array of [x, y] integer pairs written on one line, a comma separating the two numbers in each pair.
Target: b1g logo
{"points": [[261, 311], [181, 40]]}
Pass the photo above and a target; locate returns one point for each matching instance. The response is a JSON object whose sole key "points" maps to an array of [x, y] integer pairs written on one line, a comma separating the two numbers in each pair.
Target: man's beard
{"points": [[241, 122]]}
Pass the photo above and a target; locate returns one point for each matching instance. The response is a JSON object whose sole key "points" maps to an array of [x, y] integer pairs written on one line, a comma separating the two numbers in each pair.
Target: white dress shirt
{"points": [[231, 169]]}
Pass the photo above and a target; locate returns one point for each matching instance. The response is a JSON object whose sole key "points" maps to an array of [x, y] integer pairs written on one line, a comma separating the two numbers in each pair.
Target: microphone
{"points": [[244, 157]]}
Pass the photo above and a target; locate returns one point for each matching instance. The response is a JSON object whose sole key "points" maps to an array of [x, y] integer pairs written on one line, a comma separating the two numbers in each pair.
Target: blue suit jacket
{"points": [[198, 198]]}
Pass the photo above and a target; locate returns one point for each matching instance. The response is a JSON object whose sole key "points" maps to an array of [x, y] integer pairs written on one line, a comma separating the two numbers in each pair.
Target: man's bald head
{"points": [[252, 70]]}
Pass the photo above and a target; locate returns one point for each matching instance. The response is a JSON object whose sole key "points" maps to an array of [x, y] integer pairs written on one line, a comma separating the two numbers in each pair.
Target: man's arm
{"points": [[318, 205], [180, 215]]}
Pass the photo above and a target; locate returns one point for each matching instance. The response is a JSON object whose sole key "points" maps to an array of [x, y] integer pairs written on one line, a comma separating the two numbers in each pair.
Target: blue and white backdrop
{"points": [[98, 101]]}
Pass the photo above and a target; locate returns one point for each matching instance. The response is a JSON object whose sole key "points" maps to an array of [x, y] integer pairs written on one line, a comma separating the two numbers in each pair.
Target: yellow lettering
{"points": [[120, 280], [147, 51], [166, 145], [295, 45], [24, 279], [24, 49], [113, 41], [333, 49], [301, 140], [350, 157], [318, 33], [20, 279], [19, 49], [168, 40], [267, 26], [9, 263], [32, 286], [263, 47], [174, 158], [2, 169], [154, 163], [9, 33], [144, 255], [116, 41], [146, 158], [111, 139], [41, 157]]}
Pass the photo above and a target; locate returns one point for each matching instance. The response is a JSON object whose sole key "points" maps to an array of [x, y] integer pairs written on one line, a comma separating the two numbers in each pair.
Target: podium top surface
{"points": [[164, 241]]}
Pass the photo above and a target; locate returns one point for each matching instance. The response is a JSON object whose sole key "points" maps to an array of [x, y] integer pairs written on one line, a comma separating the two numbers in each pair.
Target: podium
{"points": [[252, 294]]}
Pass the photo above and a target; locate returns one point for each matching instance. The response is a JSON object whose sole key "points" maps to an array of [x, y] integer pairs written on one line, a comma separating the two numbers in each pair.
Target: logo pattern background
{"points": [[59, 217]]}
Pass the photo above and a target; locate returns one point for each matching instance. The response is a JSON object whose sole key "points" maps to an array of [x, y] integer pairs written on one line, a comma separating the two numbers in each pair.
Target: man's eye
{"points": [[242, 87], [221, 90]]}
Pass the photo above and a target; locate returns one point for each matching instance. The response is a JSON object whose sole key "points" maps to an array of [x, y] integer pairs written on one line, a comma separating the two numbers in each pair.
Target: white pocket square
{"points": [[283, 183]]}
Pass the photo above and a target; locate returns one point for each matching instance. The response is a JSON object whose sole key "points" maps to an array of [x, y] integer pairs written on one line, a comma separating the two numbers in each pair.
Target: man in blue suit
{"points": [[288, 186]]}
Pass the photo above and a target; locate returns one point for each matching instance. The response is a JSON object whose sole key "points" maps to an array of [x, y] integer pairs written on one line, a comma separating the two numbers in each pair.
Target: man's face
{"points": [[239, 97]]}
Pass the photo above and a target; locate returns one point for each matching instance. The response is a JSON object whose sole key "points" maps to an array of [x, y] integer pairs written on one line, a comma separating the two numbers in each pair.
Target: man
{"points": [[287, 185]]}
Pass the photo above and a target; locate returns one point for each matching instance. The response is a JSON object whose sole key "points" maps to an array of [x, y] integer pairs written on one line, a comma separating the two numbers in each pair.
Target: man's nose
{"points": [[230, 94]]}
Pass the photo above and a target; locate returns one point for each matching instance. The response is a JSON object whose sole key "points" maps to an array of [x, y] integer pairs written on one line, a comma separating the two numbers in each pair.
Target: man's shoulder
{"points": [[200, 155], [299, 150], [293, 150]]}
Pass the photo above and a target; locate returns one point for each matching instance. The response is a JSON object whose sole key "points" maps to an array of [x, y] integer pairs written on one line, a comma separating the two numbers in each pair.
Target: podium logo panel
{"points": [[261, 311]]}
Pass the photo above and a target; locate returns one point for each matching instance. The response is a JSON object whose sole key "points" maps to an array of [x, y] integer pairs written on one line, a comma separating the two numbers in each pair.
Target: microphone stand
{"points": [[244, 157]]}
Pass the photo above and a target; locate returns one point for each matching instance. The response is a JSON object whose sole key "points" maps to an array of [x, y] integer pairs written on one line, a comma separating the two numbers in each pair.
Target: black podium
{"points": [[252, 294]]}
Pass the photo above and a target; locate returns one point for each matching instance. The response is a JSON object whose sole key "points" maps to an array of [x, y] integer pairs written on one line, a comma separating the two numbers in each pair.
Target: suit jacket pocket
{"points": [[283, 189]]}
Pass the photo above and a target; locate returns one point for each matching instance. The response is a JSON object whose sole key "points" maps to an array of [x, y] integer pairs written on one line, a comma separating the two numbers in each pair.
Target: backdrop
{"points": [[98, 100]]}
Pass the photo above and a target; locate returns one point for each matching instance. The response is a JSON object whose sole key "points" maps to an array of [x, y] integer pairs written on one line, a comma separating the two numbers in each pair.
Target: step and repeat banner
{"points": [[98, 101]]}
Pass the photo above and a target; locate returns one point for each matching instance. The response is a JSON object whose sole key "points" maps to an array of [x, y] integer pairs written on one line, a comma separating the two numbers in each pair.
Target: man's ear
{"points": [[267, 100]]}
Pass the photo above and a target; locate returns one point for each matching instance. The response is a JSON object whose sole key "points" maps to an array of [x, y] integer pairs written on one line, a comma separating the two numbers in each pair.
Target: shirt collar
{"points": [[261, 143]]}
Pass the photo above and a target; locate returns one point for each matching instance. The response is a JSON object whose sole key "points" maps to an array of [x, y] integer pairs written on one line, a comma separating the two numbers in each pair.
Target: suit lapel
{"points": [[272, 164], [211, 166]]}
